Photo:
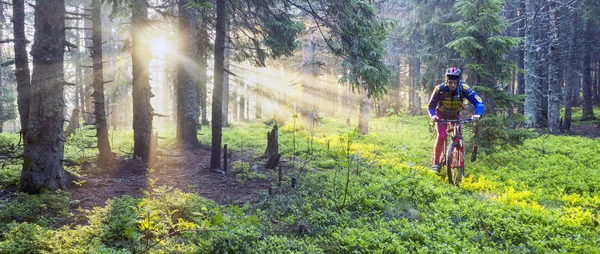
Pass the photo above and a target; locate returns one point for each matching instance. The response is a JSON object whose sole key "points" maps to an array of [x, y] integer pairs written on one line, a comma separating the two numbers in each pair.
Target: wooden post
{"points": [[280, 175], [225, 158]]}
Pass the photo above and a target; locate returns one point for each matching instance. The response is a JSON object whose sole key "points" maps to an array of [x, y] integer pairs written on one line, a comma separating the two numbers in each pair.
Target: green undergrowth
{"points": [[578, 113], [354, 194]]}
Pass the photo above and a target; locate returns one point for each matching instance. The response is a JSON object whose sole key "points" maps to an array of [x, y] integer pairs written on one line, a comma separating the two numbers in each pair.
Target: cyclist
{"points": [[446, 103]]}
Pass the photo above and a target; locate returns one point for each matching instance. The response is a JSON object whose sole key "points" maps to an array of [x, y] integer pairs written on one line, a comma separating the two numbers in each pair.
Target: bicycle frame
{"points": [[455, 144]]}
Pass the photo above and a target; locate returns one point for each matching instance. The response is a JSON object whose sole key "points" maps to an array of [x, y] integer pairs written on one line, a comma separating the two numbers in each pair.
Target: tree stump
{"points": [[73, 123], [272, 153]]}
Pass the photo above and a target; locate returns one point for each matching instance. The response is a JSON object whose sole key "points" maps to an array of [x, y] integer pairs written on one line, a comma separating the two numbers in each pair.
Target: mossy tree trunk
{"points": [[44, 139]]}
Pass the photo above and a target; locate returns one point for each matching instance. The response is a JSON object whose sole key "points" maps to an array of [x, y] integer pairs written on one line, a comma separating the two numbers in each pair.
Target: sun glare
{"points": [[160, 47]]}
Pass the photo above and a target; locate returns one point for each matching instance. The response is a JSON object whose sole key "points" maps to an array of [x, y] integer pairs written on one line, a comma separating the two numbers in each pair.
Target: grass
{"points": [[539, 197]]}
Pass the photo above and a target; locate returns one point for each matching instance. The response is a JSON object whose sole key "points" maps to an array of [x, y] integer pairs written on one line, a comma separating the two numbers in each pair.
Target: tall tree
{"points": [[571, 76], [187, 113], [44, 138], [217, 99], [202, 53], [21, 63], [532, 90], [363, 114], [553, 71], [586, 82], [7, 105], [104, 152], [226, 79], [142, 109], [480, 40]]}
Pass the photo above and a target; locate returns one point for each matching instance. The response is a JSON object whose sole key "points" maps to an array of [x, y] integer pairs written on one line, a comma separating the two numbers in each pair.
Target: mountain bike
{"points": [[453, 157]]}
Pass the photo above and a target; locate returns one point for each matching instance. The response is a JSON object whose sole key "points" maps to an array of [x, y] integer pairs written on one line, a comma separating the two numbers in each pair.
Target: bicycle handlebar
{"points": [[464, 120]]}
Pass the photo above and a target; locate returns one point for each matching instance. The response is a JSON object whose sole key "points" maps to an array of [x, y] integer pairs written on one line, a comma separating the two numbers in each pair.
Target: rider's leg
{"points": [[440, 142]]}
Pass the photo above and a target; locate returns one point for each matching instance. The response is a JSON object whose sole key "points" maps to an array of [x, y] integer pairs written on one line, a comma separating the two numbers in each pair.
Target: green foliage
{"points": [[427, 32], [577, 115], [10, 166], [479, 36], [26, 238], [357, 36], [281, 33], [8, 107], [495, 132], [540, 196], [46, 209]]}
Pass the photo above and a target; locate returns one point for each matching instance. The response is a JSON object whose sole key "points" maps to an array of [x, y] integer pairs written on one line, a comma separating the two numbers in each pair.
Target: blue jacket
{"points": [[447, 105]]}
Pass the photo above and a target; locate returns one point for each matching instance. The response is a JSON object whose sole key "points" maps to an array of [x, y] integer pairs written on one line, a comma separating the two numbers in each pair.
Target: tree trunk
{"points": [[570, 73], [201, 55], [71, 128], [587, 103], [411, 85], [187, 109], [217, 102], [532, 90], [87, 107], [553, 72], [363, 115], [226, 80], [242, 102], [74, 122], [141, 94], [348, 103], [44, 139], [234, 95], [595, 86], [521, 57], [577, 91], [307, 103], [258, 100], [416, 75], [104, 151], [21, 63]]}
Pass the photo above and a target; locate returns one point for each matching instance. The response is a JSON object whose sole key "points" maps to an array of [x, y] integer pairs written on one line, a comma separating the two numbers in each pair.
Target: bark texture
{"points": [[44, 138], [554, 91], [571, 76], [187, 109], [272, 152], [21, 62], [105, 154], [363, 115], [217, 102], [532, 90], [226, 82], [142, 110], [586, 83]]}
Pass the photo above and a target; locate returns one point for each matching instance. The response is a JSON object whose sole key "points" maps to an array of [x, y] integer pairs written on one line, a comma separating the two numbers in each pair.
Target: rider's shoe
{"points": [[435, 169]]}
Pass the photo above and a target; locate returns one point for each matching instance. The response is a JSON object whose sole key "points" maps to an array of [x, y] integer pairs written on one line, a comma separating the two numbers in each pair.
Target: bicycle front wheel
{"points": [[455, 165]]}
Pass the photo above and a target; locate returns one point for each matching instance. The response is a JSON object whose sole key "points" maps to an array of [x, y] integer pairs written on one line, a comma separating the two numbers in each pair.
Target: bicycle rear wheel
{"points": [[455, 165]]}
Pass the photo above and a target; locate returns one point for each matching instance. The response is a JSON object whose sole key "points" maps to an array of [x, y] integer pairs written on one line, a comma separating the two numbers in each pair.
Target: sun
{"points": [[160, 47]]}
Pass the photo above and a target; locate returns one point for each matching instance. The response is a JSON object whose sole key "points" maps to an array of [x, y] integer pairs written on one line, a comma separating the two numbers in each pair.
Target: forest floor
{"points": [[188, 172], [587, 130]]}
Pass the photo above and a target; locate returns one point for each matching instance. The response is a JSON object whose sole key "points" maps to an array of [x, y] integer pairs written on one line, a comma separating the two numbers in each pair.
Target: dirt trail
{"points": [[187, 172]]}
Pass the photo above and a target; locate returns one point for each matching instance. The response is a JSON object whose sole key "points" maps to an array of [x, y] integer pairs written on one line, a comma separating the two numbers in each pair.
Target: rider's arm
{"points": [[433, 102], [474, 98]]}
